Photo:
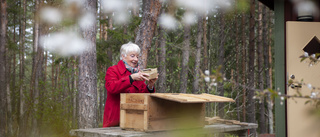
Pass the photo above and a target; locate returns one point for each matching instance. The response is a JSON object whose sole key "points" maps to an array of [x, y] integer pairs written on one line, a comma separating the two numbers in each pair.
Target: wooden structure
{"points": [[302, 37], [153, 72], [215, 120], [238, 130], [164, 111], [285, 11]]}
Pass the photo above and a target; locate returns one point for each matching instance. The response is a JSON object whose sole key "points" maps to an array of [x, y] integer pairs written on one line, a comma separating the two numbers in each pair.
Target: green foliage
{"points": [[242, 5]]}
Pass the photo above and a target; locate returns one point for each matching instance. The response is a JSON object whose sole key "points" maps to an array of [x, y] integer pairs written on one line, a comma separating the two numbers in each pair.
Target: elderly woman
{"points": [[124, 77]]}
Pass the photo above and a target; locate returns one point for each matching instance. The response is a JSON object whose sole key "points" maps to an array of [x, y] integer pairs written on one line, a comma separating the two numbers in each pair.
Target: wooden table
{"points": [[241, 131]]}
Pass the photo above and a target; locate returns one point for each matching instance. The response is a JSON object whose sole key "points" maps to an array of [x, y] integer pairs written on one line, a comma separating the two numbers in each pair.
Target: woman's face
{"points": [[131, 59]]}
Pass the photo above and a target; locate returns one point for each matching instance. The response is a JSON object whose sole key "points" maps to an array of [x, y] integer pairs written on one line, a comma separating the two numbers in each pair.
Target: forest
{"points": [[54, 55]]}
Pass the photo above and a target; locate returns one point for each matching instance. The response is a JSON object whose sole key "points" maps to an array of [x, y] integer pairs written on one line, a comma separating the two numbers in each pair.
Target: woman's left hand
{"points": [[151, 82]]}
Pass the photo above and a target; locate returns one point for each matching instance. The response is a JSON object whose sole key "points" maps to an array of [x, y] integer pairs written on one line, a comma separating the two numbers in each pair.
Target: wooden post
{"points": [[280, 110]]}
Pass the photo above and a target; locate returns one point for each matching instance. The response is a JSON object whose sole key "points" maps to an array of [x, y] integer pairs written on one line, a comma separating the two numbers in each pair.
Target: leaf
{"points": [[302, 59], [290, 82], [270, 90], [273, 93], [309, 101], [299, 93]]}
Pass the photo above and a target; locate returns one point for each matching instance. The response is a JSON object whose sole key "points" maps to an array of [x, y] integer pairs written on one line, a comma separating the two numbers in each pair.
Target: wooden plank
{"points": [[134, 119], [123, 98], [122, 118], [133, 106], [164, 96], [215, 120], [218, 98], [122, 112], [135, 97], [118, 132], [191, 98], [203, 114], [178, 98], [162, 110], [175, 123], [132, 110], [211, 120], [145, 115], [206, 97]]}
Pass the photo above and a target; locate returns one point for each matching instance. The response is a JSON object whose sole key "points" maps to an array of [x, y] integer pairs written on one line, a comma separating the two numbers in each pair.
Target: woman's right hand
{"points": [[139, 76]]}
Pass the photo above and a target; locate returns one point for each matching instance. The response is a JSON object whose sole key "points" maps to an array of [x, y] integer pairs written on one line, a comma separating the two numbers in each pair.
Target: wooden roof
{"points": [[191, 98]]}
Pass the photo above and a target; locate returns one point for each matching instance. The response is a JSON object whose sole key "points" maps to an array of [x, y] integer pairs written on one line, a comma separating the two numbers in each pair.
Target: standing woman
{"points": [[124, 77]]}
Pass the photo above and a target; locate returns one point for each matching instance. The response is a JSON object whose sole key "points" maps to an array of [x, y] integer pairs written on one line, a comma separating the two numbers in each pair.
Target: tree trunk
{"points": [[3, 94], [109, 53], [268, 71], [53, 78], [262, 119], [162, 60], [13, 81], [9, 89], [41, 76], [244, 64], [108, 37], [197, 57], [185, 59], [75, 94], [22, 109], [103, 67], [205, 45], [39, 86], [156, 47], [205, 50], [44, 84], [251, 102], [151, 11], [57, 77], [35, 73], [221, 61], [9, 92], [13, 76], [237, 78], [210, 106], [101, 110], [88, 76]]}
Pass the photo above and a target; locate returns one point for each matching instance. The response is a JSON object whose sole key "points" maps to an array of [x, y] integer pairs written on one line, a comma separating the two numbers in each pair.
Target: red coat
{"points": [[118, 81]]}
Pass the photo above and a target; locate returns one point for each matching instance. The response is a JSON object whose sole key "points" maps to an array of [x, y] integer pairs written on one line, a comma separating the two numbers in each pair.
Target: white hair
{"points": [[129, 47]]}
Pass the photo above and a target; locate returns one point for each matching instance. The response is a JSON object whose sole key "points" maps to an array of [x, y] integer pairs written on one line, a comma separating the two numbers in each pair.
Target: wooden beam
{"points": [[134, 106], [280, 70]]}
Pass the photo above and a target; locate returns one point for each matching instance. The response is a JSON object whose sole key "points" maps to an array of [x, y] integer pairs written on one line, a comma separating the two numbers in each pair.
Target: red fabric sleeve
{"points": [[115, 85]]}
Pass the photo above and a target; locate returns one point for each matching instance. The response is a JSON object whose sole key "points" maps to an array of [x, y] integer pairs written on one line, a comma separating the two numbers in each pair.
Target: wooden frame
{"points": [[161, 111]]}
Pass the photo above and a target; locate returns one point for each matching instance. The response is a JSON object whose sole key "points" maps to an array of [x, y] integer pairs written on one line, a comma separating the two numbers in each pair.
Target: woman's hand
{"points": [[151, 82], [140, 76]]}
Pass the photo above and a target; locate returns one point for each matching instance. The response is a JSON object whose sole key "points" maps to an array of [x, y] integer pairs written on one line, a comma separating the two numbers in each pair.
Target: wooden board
{"points": [[208, 130], [191, 98], [300, 123], [153, 72], [169, 115], [133, 111], [215, 120]]}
